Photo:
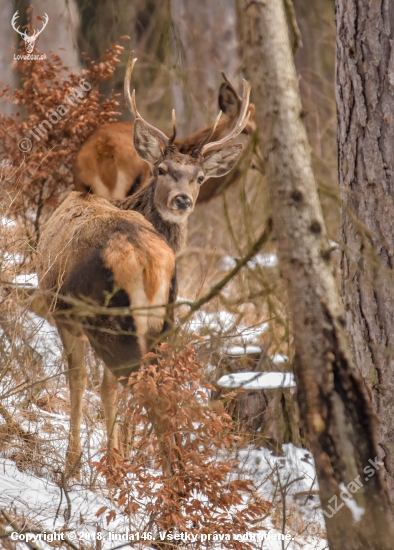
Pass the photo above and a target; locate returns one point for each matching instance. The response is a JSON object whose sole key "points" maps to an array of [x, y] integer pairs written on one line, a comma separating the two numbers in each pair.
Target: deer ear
{"points": [[222, 161], [228, 102], [146, 144]]}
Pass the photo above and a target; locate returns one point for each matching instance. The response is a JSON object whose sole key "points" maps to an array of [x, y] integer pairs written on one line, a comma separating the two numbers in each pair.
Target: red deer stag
{"points": [[108, 164], [122, 253]]}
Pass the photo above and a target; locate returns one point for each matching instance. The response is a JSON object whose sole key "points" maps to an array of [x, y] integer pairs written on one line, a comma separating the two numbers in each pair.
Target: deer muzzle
{"points": [[181, 202]]}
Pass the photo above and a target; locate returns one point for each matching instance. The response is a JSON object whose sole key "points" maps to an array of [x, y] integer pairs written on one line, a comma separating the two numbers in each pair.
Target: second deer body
{"points": [[109, 165]]}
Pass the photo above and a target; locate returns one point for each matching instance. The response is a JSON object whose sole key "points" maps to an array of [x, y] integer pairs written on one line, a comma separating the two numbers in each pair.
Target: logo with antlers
{"points": [[30, 41]]}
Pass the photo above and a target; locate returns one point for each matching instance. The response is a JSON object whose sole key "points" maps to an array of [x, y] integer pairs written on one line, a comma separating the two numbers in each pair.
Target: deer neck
{"points": [[143, 202]]}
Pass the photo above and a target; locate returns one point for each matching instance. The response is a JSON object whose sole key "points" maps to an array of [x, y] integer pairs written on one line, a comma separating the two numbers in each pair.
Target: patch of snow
{"points": [[250, 334], [44, 338], [279, 358], [8, 259], [228, 262], [258, 381], [7, 222], [28, 280], [296, 471], [32, 493], [223, 322], [262, 260], [250, 350], [243, 350], [214, 322], [333, 243]]}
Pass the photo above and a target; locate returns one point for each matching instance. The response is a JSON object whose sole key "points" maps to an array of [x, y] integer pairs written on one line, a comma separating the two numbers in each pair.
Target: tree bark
{"points": [[335, 409], [61, 33], [365, 99], [207, 44]]}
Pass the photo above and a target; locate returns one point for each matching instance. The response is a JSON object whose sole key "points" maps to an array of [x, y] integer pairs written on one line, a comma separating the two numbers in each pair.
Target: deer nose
{"points": [[182, 202]]}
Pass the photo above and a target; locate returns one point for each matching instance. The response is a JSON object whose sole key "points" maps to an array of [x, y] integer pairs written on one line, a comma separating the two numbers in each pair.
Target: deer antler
{"points": [[174, 129], [242, 121], [204, 146], [13, 22], [24, 34], [45, 23], [131, 103], [209, 135]]}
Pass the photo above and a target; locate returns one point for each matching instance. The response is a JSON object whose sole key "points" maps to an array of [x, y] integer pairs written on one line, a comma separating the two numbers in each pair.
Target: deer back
{"points": [[108, 164], [92, 251]]}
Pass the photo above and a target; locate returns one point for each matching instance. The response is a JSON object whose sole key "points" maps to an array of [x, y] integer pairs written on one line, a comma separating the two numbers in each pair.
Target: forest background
{"points": [[250, 324]]}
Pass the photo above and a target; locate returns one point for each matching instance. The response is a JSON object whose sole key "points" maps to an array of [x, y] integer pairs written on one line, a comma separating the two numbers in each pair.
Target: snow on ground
{"points": [[212, 322], [38, 497], [7, 259], [251, 350], [7, 222], [279, 358], [243, 350], [204, 322], [27, 280], [261, 260], [39, 500], [258, 381], [295, 471], [44, 338]]}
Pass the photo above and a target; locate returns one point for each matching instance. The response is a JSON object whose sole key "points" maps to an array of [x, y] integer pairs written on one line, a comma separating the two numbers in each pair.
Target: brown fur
{"points": [[179, 178], [110, 152], [90, 249], [117, 255], [108, 163]]}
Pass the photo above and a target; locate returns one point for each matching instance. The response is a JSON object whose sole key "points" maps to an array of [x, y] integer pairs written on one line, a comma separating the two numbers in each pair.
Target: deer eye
{"points": [[161, 171], [200, 179]]}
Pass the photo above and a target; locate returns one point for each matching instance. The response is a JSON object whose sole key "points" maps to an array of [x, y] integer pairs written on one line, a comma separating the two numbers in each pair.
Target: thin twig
{"points": [[291, 16], [231, 274], [15, 428], [13, 392], [19, 529], [91, 310], [68, 510], [205, 274], [25, 529]]}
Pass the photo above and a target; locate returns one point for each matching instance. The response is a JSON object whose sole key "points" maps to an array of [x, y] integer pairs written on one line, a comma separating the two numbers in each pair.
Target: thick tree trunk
{"points": [[315, 65], [61, 33], [208, 44], [334, 405], [146, 23], [365, 97]]}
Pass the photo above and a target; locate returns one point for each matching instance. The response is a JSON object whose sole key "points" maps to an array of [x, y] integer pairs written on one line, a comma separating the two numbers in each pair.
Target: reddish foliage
{"points": [[179, 475], [38, 177]]}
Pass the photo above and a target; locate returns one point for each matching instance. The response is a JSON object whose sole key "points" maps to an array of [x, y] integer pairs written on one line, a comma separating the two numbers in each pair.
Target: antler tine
{"points": [[45, 23], [174, 129], [227, 81], [132, 105], [208, 137], [13, 22], [127, 80], [241, 122]]}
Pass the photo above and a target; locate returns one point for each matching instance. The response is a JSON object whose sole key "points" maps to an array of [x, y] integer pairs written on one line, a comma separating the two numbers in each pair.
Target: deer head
{"points": [[29, 40], [178, 176]]}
